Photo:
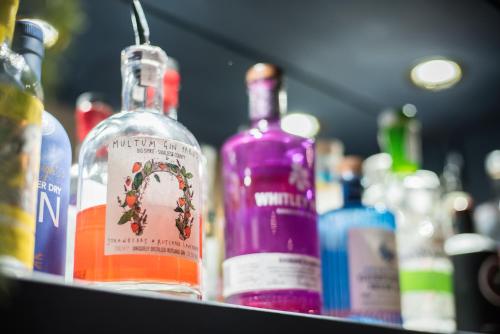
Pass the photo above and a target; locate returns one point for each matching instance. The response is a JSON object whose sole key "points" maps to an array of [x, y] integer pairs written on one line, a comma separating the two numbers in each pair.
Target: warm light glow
{"points": [[436, 74], [460, 203], [300, 124], [493, 164]]}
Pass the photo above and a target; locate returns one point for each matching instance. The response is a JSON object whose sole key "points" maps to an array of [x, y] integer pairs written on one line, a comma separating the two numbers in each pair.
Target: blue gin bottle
{"points": [[358, 253], [53, 197], [55, 163]]}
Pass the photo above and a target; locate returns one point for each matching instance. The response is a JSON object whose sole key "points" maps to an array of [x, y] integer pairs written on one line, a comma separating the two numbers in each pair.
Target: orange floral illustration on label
{"points": [[135, 186]]}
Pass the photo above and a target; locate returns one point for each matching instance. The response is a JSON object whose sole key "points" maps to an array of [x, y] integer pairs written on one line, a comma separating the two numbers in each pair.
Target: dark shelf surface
{"points": [[45, 305]]}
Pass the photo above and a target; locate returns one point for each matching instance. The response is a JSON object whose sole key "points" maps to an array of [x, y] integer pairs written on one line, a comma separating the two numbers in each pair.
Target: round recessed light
{"points": [[436, 74], [300, 124]]}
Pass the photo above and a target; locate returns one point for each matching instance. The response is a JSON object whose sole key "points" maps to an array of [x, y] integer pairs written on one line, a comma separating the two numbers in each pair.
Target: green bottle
{"points": [[20, 138], [399, 135]]}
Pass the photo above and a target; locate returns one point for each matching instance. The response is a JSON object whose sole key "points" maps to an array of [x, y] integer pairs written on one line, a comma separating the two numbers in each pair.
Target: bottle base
{"points": [[10, 266], [173, 290], [290, 301], [431, 325], [381, 317]]}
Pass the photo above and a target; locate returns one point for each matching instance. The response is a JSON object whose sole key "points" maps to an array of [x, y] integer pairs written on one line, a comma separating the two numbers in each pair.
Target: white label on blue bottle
{"points": [[271, 271], [373, 270]]}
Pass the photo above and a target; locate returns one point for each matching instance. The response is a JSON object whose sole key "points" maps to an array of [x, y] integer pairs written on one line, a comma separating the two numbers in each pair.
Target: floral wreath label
{"points": [[153, 198]]}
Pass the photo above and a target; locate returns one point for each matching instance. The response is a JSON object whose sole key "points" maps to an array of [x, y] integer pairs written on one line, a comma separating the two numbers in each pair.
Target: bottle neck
{"points": [[462, 221], [496, 188], [352, 190], [28, 42], [399, 135], [266, 100], [8, 10], [143, 67]]}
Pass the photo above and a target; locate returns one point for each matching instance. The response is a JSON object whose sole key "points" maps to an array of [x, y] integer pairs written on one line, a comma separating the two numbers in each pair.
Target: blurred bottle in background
{"points": [[329, 153], [476, 276], [487, 215], [358, 253], [55, 163], [91, 109], [425, 270], [213, 244], [414, 195], [171, 86], [453, 198], [399, 136], [20, 140], [376, 174]]}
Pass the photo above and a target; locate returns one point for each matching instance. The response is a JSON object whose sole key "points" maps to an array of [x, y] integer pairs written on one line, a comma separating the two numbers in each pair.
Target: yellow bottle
{"points": [[20, 137]]}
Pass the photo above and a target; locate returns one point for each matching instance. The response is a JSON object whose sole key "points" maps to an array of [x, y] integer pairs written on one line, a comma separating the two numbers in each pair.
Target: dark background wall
{"points": [[345, 61]]}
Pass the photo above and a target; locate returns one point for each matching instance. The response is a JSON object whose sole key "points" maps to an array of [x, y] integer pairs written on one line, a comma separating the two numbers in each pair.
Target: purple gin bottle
{"points": [[272, 252]]}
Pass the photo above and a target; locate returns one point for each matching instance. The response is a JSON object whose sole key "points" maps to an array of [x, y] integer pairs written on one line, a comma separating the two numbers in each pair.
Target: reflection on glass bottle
{"points": [[358, 253], [20, 138], [425, 269], [139, 193], [272, 254]]}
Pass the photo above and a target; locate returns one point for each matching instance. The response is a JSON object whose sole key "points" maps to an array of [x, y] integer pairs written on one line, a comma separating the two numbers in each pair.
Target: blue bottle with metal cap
{"points": [[55, 164]]}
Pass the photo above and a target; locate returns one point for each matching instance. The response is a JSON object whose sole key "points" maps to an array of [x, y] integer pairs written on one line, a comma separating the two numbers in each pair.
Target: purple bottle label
{"points": [[272, 230]]}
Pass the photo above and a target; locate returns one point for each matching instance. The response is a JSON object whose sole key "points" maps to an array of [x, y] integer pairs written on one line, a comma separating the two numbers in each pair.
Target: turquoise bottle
{"points": [[358, 253]]}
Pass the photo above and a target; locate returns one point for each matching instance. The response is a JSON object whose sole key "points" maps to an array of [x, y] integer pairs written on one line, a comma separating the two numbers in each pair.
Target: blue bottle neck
{"points": [[352, 191]]}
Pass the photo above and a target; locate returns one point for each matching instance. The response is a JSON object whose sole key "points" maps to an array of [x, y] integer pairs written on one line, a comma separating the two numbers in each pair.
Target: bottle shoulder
{"points": [[369, 210], [256, 136], [138, 123], [54, 131], [14, 71], [359, 213], [263, 149]]}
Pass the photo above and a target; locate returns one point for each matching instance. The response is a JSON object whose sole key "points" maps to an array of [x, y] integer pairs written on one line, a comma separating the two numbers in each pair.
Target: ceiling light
{"points": [[300, 124], [436, 74]]}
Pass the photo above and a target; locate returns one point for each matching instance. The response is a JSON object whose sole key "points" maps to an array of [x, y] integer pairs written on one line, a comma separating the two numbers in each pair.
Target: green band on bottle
{"points": [[435, 281]]}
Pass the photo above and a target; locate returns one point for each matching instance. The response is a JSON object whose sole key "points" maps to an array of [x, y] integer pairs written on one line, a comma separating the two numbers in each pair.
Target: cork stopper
{"points": [[263, 71], [351, 165]]}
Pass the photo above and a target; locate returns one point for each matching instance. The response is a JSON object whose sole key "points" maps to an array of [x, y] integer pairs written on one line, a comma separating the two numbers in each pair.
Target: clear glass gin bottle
{"points": [[139, 197], [425, 271]]}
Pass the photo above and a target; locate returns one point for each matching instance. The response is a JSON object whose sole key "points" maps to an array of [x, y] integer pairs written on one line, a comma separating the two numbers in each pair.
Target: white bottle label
{"points": [[153, 198], [271, 271], [373, 270]]}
